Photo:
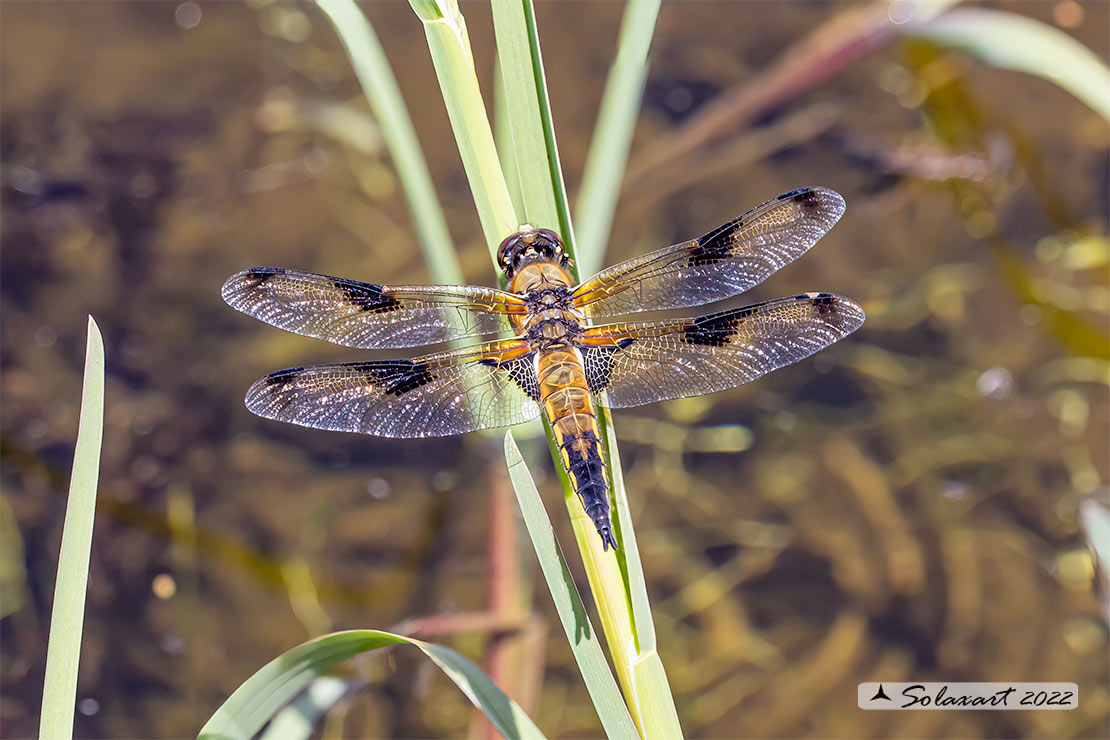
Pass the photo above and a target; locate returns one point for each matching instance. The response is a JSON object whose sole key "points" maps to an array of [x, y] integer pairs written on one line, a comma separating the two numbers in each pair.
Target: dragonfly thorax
{"points": [[553, 327]]}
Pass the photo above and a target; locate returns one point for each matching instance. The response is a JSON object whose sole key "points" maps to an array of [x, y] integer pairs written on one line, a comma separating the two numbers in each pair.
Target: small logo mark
{"points": [[880, 694], [967, 696]]}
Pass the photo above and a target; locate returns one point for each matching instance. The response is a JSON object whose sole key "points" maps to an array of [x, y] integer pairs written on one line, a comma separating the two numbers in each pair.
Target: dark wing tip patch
{"points": [[264, 273], [241, 282], [261, 394], [281, 377], [851, 313], [796, 194], [843, 312], [825, 303], [815, 199]]}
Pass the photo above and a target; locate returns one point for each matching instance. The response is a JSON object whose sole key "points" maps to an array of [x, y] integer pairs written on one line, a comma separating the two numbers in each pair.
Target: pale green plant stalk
{"points": [[1010, 41], [526, 108], [616, 579], [616, 121], [67, 619], [449, 45], [380, 87], [611, 708], [503, 135]]}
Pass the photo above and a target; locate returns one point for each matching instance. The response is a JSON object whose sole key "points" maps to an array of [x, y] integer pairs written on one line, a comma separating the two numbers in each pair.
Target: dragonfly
{"points": [[558, 362]]}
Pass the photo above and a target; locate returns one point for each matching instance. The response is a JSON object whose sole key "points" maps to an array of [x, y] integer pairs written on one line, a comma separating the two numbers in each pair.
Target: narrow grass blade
{"points": [[1011, 41], [260, 697], [449, 45], [503, 136], [640, 673], [648, 675], [620, 104], [68, 616], [379, 85], [620, 591], [541, 181], [606, 697]]}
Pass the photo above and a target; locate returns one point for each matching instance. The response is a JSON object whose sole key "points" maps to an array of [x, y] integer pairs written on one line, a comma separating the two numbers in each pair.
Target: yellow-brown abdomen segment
{"points": [[570, 410]]}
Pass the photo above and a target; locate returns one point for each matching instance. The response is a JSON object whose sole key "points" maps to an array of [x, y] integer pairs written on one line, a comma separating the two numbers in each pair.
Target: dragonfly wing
{"points": [[642, 363], [725, 262], [491, 385], [368, 316]]}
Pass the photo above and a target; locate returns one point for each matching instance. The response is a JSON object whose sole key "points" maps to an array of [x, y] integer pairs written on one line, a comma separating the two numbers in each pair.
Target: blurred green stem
{"points": [[620, 104], [449, 45], [616, 578], [67, 617], [379, 85]]}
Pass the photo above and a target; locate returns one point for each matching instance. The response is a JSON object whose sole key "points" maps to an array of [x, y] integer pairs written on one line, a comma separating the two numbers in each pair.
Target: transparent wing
{"points": [[725, 262], [491, 385], [655, 361], [368, 316]]}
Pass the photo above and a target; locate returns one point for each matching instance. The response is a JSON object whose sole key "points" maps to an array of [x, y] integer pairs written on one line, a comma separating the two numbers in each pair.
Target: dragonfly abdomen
{"points": [[570, 410]]}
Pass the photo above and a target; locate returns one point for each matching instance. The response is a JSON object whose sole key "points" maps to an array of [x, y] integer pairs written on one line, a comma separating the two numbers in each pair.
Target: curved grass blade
{"points": [[68, 616], [298, 718], [1011, 41], [620, 104], [260, 697], [611, 709]]}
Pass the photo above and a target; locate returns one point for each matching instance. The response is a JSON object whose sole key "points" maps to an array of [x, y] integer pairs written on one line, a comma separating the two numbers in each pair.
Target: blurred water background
{"points": [[903, 506]]}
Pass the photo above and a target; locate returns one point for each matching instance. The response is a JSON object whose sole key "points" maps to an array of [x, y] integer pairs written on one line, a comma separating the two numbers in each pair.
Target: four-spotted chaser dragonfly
{"points": [[556, 364]]}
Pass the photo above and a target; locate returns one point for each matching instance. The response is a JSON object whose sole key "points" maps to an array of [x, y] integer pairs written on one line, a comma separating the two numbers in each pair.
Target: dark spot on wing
{"points": [[282, 377], [367, 297], [715, 246], [807, 197], [399, 377], [825, 303], [262, 274], [715, 330]]}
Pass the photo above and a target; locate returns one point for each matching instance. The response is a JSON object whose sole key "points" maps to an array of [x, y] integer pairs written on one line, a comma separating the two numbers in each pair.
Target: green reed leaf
{"points": [[67, 618], [449, 44], [624, 616], [606, 697], [1011, 41], [616, 121], [380, 87], [262, 695]]}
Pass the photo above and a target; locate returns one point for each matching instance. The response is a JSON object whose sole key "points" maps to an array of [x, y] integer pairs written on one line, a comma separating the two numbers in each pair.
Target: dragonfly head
{"points": [[530, 245]]}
